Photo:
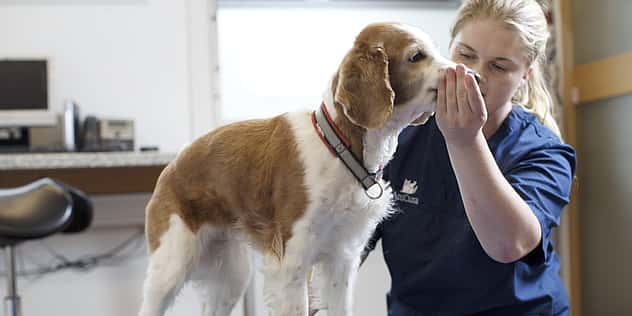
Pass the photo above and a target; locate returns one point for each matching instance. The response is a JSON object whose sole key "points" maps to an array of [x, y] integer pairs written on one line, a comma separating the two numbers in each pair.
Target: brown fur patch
{"points": [[246, 175], [364, 87]]}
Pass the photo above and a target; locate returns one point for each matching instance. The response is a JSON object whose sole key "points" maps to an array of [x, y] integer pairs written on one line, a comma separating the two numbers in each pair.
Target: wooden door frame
{"points": [[571, 261]]}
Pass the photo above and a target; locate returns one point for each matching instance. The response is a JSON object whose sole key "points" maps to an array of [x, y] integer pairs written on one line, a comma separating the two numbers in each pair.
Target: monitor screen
{"points": [[23, 85]]}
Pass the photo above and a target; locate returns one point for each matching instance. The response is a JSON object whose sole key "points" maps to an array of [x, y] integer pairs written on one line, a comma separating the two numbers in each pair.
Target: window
{"points": [[278, 59]]}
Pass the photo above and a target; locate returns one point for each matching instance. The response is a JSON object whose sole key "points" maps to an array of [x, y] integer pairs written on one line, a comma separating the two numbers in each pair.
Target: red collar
{"points": [[332, 137], [333, 125]]}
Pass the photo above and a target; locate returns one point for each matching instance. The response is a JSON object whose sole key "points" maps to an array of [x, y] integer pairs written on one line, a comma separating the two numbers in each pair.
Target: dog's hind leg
{"points": [[222, 274], [169, 265]]}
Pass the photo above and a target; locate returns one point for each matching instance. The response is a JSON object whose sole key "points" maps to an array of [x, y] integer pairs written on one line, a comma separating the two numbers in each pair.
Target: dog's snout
{"points": [[476, 75]]}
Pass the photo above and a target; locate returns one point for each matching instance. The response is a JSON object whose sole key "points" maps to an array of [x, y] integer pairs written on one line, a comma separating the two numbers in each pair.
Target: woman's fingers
{"points": [[441, 99], [459, 97], [450, 94], [461, 110], [461, 90], [474, 96]]}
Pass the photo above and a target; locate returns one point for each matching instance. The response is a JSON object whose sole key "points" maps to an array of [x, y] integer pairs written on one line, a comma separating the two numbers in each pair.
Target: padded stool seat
{"points": [[36, 210]]}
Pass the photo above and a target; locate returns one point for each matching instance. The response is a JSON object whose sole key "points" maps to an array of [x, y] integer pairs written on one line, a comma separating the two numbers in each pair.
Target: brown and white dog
{"points": [[274, 185]]}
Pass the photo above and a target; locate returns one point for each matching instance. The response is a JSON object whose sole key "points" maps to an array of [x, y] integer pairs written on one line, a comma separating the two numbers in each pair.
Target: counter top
{"points": [[83, 160], [93, 173]]}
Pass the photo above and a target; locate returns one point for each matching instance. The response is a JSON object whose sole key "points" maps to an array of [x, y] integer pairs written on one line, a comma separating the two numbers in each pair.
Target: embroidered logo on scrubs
{"points": [[408, 188]]}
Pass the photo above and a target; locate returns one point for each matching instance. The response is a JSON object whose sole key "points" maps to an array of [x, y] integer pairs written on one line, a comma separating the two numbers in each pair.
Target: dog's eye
{"points": [[417, 57]]}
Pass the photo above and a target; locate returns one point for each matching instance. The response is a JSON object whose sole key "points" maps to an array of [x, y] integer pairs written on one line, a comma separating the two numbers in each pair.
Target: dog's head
{"points": [[390, 75]]}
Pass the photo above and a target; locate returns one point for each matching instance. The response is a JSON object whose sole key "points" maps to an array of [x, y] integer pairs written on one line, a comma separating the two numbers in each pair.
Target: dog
{"points": [[279, 186]]}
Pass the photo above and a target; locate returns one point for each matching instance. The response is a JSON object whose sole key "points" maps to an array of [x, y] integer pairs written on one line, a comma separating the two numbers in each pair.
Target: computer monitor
{"points": [[24, 93]]}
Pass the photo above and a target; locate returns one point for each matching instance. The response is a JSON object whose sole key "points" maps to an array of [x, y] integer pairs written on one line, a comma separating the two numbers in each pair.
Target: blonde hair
{"points": [[527, 19]]}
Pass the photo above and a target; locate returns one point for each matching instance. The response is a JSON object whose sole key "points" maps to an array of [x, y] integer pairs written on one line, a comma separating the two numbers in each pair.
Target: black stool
{"points": [[34, 211]]}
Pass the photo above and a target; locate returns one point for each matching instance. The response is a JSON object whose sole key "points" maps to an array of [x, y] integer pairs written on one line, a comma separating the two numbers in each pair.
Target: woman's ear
{"points": [[364, 90]]}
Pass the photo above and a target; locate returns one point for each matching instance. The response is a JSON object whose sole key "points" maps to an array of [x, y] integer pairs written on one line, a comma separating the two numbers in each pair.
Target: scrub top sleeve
{"points": [[543, 178]]}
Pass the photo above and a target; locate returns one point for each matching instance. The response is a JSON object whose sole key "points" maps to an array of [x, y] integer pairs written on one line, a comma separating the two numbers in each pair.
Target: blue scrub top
{"points": [[437, 265]]}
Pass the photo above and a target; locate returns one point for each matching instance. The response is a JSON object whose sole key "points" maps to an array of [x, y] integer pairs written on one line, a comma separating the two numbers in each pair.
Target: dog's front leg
{"points": [[340, 274], [285, 287]]}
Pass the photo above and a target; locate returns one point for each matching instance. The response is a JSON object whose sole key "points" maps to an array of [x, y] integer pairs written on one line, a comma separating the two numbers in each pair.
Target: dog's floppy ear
{"points": [[364, 89]]}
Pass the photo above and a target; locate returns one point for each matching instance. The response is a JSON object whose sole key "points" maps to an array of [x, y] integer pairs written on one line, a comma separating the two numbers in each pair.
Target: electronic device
{"points": [[71, 126], [63, 135], [27, 125], [45, 138], [24, 93], [91, 139], [116, 134], [14, 139], [108, 134]]}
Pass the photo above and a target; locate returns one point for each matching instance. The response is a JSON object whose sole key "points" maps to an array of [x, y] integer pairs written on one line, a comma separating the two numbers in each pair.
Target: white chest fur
{"points": [[340, 216]]}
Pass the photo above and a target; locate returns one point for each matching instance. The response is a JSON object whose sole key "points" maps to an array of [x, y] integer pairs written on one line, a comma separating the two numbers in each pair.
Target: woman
{"points": [[480, 186]]}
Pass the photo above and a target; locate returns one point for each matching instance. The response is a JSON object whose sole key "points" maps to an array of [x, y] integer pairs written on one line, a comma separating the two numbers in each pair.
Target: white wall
{"points": [[278, 59], [117, 60]]}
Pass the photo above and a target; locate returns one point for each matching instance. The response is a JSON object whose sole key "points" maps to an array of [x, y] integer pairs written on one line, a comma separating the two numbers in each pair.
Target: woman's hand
{"points": [[504, 224], [461, 112]]}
